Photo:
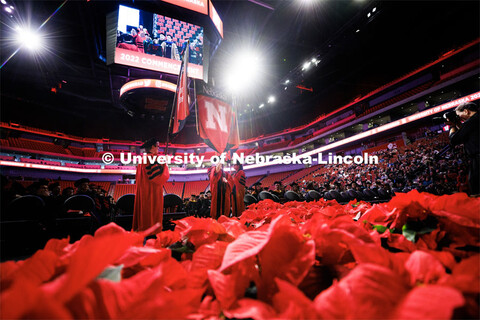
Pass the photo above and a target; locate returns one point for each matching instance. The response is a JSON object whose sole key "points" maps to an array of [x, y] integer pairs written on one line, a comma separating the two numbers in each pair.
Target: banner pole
{"points": [[196, 105], [175, 97]]}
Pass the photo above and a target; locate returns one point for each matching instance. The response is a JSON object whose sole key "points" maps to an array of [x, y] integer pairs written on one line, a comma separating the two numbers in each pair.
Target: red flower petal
{"points": [[90, 259], [291, 303], [245, 246], [429, 302], [249, 308], [200, 231], [424, 268], [368, 291]]}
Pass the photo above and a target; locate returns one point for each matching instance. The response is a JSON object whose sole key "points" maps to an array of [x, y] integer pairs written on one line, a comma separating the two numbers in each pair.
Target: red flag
{"points": [[216, 122], [181, 106]]}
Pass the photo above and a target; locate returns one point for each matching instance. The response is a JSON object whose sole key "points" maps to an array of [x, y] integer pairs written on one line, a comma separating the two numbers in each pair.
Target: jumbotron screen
{"points": [[156, 42]]}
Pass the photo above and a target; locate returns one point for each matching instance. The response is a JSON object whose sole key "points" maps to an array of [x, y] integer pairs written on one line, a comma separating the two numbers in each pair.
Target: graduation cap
{"points": [[80, 181], [53, 185], [149, 143], [293, 184], [277, 182]]}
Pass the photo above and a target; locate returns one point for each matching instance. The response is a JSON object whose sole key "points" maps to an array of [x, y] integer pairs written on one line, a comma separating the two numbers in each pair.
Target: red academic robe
{"points": [[237, 183], [148, 208], [221, 191]]}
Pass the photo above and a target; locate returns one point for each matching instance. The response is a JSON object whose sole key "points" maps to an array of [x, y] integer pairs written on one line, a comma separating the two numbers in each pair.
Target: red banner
{"points": [[216, 121], [181, 105]]}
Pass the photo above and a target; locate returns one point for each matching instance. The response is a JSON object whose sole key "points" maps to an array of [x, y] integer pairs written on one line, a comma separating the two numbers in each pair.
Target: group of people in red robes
{"points": [[227, 190]]}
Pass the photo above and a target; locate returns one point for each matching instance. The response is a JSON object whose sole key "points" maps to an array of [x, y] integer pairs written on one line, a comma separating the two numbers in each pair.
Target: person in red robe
{"points": [[237, 182], [221, 190], [148, 209]]}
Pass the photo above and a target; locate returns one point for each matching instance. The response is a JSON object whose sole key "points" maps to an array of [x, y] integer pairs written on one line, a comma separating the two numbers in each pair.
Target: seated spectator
{"points": [[279, 190], [83, 186], [257, 188], [55, 189]]}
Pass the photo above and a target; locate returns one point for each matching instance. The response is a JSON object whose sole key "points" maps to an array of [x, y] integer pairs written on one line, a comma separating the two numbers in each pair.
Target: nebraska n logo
{"points": [[214, 121], [216, 115]]}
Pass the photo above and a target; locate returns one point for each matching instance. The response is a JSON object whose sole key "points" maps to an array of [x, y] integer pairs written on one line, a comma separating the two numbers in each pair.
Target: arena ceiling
{"points": [[69, 88]]}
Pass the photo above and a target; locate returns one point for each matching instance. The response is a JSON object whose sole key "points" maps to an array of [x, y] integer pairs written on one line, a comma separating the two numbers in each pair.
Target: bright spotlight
{"points": [[244, 72], [306, 65], [368, 15], [8, 9], [374, 9], [271, 99], [3, 1], [260, 106], [29, 39], [287, 81], [358, 30], [11, 7], [314, 60]]}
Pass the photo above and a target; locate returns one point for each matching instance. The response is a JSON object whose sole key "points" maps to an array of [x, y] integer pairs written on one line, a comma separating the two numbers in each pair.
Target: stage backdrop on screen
{"points": [[152, 41]]}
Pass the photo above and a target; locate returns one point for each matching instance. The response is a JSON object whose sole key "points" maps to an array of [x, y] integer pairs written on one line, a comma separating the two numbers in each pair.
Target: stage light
{"points": [[285, 88], [3, 1], [358, 30], [374, 9], [368, 15], [306, 65], [11, 7], [287, 81], [8, 9], [29, 39], [271, 99], [245, 72], [260, 106]]}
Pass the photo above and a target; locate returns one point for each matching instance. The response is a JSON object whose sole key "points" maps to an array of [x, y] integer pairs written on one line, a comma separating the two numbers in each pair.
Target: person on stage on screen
{"points": [[221, 191], [150, 178], [237, 182], [465, 124], [170, 49]]}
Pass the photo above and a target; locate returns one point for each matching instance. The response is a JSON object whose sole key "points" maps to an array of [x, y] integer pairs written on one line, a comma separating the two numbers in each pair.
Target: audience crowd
{"points": [[427, 165]]}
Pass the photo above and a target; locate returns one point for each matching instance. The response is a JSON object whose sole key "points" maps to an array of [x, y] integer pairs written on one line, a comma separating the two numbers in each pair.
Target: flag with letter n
{"points": [[181, 110], [217, 123]]}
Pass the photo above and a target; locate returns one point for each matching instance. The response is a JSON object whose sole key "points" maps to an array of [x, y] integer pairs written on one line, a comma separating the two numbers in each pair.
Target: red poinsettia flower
{"points": [[368, 292], [200, 231]]}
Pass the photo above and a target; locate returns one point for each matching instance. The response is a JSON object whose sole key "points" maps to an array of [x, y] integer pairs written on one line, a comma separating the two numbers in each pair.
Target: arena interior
{"points": [[318, 80]]}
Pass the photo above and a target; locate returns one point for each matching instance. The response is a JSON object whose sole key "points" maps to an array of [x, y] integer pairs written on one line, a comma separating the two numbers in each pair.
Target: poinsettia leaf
{"points": [[379, 228], [408, 233], [246, 245], [113, 274]]}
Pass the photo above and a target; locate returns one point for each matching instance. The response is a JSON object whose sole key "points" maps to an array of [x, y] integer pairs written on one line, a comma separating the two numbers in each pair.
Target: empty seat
{"points": [[292, 196], [25, 208], [125, 204], [383, 194], [248, 199], [264, 195], [314, 195], [172, 203]]}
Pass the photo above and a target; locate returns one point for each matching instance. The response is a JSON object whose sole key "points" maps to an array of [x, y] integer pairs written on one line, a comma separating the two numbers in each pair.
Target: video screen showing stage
{"points": [[156, 42]]}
